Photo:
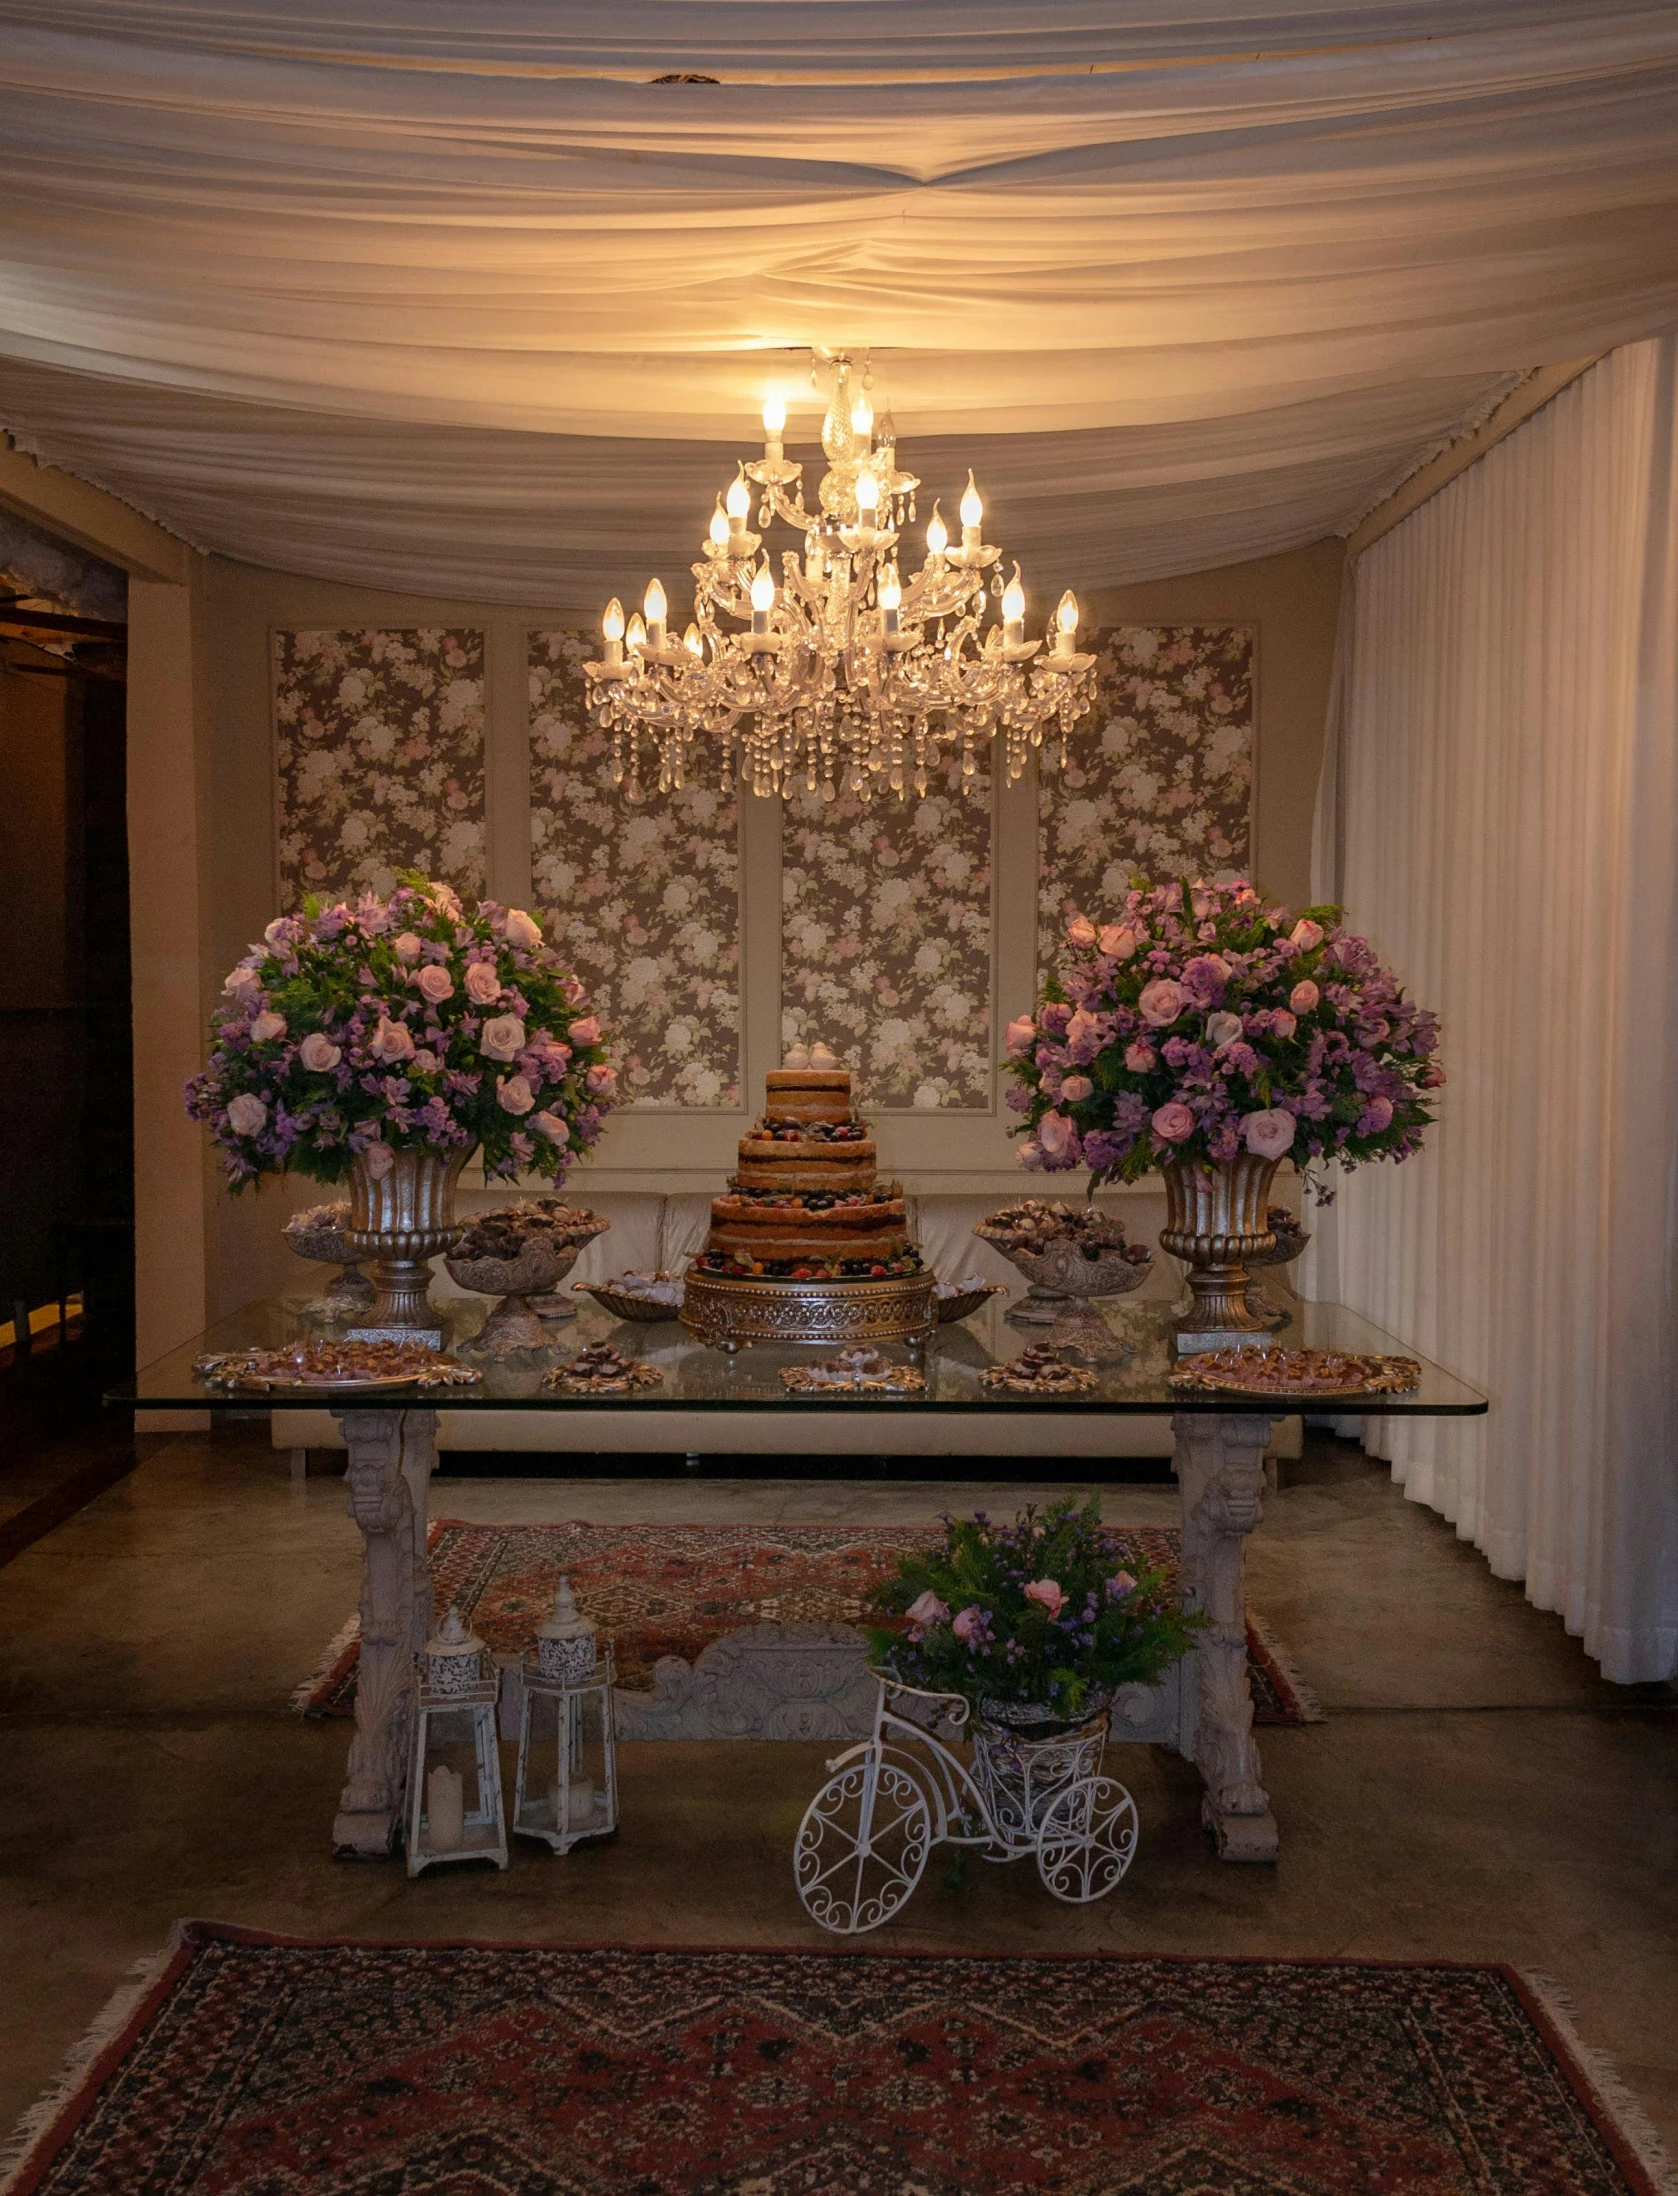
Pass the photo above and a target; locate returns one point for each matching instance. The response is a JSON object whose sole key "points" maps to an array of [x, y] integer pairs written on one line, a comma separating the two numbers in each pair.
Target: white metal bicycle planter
{"points": [[863, 1844]]}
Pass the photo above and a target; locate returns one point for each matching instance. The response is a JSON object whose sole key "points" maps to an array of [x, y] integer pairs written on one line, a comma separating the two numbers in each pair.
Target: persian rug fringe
{"points": [[327, 1672], [108, 2032], [1284, 1672], [1617, 2107]]}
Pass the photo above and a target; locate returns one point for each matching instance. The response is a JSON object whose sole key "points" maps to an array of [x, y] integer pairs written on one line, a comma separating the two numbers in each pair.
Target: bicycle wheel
{"points": [[1087, 1841], [862, 1846]]}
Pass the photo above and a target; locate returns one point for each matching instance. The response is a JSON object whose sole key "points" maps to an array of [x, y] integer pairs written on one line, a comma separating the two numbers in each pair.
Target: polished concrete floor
{"points": [[1477, 1791]]}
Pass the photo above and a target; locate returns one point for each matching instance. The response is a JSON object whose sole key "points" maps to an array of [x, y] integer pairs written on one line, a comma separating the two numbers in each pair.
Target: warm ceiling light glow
{"points": [[763, 589], [774, 412], [612, 623], [972, 505], [654, 604]]}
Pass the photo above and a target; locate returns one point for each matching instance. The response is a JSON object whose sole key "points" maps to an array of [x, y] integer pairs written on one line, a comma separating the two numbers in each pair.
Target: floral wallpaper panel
{"points": [[380, 739], [886, 940], [644, 901], [1160, 777]]}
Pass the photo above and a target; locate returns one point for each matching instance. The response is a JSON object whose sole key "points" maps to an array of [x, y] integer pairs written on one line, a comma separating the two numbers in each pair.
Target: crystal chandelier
{"points": [[841, 674]]}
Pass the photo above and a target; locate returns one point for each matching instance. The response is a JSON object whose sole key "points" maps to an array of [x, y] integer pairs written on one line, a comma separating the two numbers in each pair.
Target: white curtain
{"points": [[397, 291], [1501, 814]]}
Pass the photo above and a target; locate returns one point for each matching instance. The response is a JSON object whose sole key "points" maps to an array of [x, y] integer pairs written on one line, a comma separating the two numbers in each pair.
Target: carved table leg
{"points": [[391, 1458], [1219, 1462]]}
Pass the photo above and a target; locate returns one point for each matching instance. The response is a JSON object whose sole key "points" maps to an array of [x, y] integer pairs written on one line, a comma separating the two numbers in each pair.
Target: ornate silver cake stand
{"points": [[728, 1311], [1064, 1287], [351, 1293]]}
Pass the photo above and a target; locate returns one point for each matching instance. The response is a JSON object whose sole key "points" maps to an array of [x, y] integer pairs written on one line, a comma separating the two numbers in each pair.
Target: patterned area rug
{"points": [[257, 2067], [672, 1589]]}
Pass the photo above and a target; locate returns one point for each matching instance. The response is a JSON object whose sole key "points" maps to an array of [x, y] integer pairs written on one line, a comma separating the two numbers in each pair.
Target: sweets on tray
{"points": [[1039, 1370], [1035, 1227], [508, 1231], [334, 1365], [1304, 1372], [601, 1370], [855, 1371], [320, 1220]]}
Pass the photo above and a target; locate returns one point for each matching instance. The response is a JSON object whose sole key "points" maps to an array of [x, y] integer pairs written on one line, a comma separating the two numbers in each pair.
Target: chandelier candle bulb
{"points": [[862, 424], [657, 608], [1066, 624], [763, 601], [636, 637], [1013, 612], [719, 527], [774, 425], [692, 642], [972, 518], [937, 537], [739, 502], [611, 627]]}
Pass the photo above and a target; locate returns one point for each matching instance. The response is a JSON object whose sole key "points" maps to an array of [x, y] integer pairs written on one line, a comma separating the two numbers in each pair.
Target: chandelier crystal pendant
{"points": [[842, 674]]}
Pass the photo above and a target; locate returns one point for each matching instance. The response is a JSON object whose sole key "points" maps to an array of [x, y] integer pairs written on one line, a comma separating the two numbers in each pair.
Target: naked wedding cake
{"points": [[805, 1202]]}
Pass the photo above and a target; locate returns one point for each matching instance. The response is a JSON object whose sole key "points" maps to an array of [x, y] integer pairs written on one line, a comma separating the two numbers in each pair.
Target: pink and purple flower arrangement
{"points": [[357, 1031], [1050, 1611], [1200, 1022]]}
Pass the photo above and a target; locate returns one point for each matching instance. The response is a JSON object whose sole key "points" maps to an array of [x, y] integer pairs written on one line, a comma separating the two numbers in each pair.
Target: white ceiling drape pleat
{"points": [[1241, 266]]}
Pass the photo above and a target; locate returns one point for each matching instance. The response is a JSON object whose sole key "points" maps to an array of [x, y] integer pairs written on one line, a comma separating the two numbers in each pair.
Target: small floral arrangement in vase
{"points": [[1209, 1035], [384, 1042], [1037, 1623]]}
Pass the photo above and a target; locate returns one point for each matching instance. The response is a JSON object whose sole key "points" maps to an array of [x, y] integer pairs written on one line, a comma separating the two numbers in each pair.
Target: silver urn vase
{"points": [[399, 1222], [1216, 1220]]}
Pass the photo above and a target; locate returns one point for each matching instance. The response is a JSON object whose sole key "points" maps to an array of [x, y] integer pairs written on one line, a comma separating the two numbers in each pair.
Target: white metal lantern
{"points": [[454, 1773], [567, 1786]]}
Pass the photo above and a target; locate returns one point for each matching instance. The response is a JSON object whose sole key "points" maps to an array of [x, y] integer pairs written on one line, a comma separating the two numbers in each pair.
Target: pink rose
{"points": [[969, 1624], [1377, 1115], [1161, 1002], [585, 1031], [550, 1126], [378, 1160], [242, 981], [1173, 1122], [1304, 996], [502, 1038], [267, 1025], [1139, 1058], [1222, 1029], [602, 1081], [522, 929], [1048, 1592], [434, 983], [1119, 1585], [927, 1610], [426, 1061], [391, 1041], [1282, 1023], [1021, 1032], [1305, 935], [319, 1054], [1080, 931], [246, 1116], [1118, 941], [1031, 1156], [1269, 1134], [1076, 1087], [408, 948], [483, 986], [1056, 1135], [513, 1094]]}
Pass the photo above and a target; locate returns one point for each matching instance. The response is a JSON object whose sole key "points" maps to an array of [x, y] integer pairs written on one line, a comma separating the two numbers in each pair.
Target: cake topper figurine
{"points": [[798, 1056], [821, 1057]]}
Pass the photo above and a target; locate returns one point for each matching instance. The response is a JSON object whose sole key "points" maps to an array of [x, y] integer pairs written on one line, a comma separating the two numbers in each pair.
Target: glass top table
{"points": [[1203, 1708], [696, 1377]]}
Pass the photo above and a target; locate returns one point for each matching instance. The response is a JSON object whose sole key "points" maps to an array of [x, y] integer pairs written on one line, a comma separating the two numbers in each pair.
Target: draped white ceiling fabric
{"points": [[441, 297]]}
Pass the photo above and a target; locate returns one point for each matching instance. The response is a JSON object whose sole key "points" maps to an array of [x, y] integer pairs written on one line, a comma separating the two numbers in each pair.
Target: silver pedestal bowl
{"points": [[1066, 1280], [350, 1295]]}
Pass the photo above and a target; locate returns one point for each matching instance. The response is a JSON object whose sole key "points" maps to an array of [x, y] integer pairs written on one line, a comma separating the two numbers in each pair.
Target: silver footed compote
{"points": [[318, 1234], [1070, 1262]]}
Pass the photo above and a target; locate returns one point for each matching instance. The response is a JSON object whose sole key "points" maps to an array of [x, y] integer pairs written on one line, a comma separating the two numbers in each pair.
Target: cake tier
{"points": [[773, 1164], [768, 1229], [808, 1094]]}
